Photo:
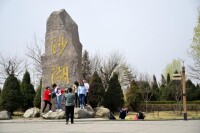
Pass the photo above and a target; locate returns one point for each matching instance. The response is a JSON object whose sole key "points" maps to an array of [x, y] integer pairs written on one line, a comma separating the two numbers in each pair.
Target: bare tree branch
{"points": [[34, 52], [10, 66], [145, 86]]}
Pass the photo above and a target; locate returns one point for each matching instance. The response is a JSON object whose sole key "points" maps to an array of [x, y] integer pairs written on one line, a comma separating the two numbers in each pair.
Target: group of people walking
{"points": [[74, 97]]}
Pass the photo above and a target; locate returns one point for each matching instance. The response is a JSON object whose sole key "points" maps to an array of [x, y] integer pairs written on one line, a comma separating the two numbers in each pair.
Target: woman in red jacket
{"points": [[47, 99]]}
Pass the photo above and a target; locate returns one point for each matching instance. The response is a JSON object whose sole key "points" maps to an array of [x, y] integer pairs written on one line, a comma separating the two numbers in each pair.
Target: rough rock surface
{"points": [[101, 112], [31, 113], [54, 115], [5, 115], [87, 112]]}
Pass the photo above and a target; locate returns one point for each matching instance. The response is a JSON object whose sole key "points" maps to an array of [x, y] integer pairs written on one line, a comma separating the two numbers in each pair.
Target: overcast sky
{"points": [[150, 33]]}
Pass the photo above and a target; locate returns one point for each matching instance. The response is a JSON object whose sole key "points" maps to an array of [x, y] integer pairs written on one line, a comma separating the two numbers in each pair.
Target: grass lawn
{"points": [[163, 115]]}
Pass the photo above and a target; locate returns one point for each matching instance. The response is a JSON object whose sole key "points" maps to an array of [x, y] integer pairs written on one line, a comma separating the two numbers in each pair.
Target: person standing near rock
{"points": [[58, 97], [47, 99], [75, 90], [87, 89], [69, 105], [81, 94]]}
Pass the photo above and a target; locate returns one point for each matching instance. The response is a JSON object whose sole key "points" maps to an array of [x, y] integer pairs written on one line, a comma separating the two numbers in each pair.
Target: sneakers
{"points": [[50, 111]]}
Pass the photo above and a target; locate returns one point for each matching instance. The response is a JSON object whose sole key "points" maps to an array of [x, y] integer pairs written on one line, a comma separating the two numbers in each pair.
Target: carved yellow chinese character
{"points": [[52, 74], [53, 46], [58, 74], [58, 46], [65, 74], [63, 44]]}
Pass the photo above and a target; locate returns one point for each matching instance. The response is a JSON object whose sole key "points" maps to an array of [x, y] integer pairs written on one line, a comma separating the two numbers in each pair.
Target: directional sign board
{"points": [[176, 77]]}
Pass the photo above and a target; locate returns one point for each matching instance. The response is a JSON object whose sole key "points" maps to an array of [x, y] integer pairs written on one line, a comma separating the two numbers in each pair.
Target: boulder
{"points": [[87, 112], [101, 112], [5, 115], [32, 112], [54, 115]]}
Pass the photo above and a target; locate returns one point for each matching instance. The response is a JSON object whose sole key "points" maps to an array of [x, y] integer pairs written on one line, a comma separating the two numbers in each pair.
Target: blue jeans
{"points": [[82, 99], [59, 101]]}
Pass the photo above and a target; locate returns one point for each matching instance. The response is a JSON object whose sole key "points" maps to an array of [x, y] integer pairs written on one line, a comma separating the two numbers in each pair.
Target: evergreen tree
{"points": [[170, 91], [155, 89], [114, 97], [11, 97], [168, 78], [37, 99], [0, 93], [163, 81], [198, 89], [96, 91], [192, 91], [27, 91], [134, 96], [163, 95], [86, 70]]}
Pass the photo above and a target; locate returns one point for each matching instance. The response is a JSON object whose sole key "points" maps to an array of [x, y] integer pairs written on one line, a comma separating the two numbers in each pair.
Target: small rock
{"points": [[32, 113], [54, 115], [101, 112], [5, 115]]}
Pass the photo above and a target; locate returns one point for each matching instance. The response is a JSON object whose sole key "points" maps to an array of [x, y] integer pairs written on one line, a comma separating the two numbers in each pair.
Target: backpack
{"points": [[53, 95]]}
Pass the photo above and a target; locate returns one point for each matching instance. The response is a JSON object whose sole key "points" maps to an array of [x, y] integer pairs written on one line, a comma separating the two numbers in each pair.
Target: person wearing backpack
{"points": [[57, 90]]}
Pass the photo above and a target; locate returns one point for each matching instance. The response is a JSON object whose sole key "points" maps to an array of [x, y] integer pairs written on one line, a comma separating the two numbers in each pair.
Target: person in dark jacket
{"points": [[122, 113], [69, 105], [141, 115]]}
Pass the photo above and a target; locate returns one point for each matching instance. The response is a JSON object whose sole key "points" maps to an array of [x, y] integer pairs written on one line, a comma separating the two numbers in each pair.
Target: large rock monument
{"points": [[61, 62]]}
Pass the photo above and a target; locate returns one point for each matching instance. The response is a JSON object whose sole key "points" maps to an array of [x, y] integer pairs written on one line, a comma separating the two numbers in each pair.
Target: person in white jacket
{"points": [[87, 90], [82, 93]]}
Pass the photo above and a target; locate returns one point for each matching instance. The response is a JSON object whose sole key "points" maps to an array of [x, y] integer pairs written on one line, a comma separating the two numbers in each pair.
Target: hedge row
{"points": [[169, 107], [171, 102]]}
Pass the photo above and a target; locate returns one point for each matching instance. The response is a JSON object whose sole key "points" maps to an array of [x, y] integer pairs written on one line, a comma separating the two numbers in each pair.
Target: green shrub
{"points": [[169, 107], [96, 91], [114, 98], [11, 97], [171, 102], [134, 97], [27, 91], [37, 99]]}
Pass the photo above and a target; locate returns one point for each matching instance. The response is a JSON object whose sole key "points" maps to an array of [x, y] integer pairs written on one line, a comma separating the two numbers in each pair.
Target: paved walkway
{"points": [[99, 126]]}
